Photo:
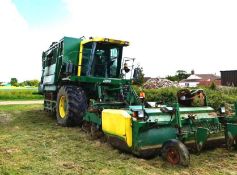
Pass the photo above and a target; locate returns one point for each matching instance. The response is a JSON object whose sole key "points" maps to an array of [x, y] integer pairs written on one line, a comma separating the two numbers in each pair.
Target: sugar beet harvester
{"points": [[82, 81]]}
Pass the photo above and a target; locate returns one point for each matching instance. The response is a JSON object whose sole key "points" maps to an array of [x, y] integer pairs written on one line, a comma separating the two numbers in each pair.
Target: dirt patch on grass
{"points": [[71, 165], [25, 102], [9, 150], [5, 117]]}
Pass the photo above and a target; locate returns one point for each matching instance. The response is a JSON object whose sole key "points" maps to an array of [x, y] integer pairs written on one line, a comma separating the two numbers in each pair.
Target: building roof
{"points": [[208, 76], [228, 71], [201, 77], [189, 80], [204, 77], [194, 77]]}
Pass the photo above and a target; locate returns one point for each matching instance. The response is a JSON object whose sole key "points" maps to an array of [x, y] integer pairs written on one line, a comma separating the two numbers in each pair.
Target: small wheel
{"points": [[71, 105], [175, 152], [173, 156]]}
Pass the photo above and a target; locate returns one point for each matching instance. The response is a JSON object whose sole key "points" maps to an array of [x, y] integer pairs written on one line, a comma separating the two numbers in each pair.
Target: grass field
{"points": [[19, 94], [32, 143]]}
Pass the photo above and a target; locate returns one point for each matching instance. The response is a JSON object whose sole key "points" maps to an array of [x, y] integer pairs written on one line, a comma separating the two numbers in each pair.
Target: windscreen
{"points": [[102, 60]]}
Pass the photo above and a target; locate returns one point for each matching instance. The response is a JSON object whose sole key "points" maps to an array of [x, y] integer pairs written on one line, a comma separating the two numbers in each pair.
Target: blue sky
{"points": [[41, 12], [165, 36]]}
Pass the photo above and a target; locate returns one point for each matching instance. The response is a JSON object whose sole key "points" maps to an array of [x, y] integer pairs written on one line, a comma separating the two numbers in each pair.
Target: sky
{"points": [[165, 36]]}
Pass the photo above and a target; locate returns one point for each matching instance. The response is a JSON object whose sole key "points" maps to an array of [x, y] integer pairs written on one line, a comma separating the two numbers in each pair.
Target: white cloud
{"points": [[17, 45], [165, 36]]}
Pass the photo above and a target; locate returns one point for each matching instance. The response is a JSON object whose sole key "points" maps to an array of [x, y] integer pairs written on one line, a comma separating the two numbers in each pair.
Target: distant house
{"points": [[229, 78], [200, 79], [5, 84]]}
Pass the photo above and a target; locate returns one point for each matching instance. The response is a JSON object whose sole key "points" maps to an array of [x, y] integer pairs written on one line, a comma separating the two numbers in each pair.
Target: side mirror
{"points": [[125, 67]]}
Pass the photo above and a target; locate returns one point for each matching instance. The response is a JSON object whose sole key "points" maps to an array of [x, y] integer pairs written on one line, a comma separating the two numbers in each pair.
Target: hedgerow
{"points": [[216, 97]]}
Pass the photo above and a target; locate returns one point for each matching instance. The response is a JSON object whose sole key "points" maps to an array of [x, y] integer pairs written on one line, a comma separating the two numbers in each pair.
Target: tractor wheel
{"points": [[71, 105], [175, 152]]}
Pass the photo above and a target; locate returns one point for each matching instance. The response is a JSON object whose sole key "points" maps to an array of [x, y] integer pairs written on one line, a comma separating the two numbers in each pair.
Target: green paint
{"points": [[92, 117], [177, 119], [201, 136], [144, 135], [231, 130]]}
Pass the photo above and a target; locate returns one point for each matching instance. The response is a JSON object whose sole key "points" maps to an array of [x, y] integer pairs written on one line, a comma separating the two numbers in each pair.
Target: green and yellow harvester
{"points": [[83, 82]]}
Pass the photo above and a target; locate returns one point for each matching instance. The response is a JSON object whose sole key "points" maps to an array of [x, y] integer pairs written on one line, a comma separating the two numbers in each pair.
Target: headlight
{"points": [[140, 114], [106, 39]]}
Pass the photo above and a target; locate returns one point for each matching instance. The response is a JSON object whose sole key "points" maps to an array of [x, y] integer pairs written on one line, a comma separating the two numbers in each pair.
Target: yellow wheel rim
{"points": [[62, 106]]}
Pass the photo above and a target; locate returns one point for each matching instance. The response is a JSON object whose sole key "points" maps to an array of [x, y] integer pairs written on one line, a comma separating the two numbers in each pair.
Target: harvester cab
{"points": [[101, 58], [83, 83]]}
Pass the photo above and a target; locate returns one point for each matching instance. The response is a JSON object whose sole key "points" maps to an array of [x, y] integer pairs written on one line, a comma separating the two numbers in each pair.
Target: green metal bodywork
{"points": [[188, 124], [65, 51], [161, 126]]}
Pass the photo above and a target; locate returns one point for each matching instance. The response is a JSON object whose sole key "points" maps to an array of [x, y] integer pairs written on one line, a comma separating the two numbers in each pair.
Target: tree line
{"points": [[14, 82], [138, 76]]}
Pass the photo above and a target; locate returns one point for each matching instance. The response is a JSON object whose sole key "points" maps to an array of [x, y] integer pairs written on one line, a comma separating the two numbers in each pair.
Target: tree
{"points": [[180, 75], [181, 72], [29, 83], [14, 82], [138, 75], [34, 82], [171, 78]]}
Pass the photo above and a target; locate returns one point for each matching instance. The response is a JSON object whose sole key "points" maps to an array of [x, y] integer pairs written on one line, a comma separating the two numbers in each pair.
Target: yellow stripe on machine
{"points": [[118, 123]]}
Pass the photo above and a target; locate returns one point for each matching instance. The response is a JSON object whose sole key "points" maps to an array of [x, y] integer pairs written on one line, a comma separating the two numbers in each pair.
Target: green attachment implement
{"points": [[201, 136]]}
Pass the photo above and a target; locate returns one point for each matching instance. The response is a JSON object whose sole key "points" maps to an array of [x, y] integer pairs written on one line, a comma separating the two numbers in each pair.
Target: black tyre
{"points": [[71, 106], [175, 152]]}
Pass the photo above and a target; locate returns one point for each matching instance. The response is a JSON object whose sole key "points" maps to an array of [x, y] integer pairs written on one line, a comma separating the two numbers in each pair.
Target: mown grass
{"points": [[32, 143], [19, 94]]}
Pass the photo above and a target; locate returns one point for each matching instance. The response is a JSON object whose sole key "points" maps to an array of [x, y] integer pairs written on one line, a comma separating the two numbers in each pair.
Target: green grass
{"points": [[32, 143], [19, 94]]}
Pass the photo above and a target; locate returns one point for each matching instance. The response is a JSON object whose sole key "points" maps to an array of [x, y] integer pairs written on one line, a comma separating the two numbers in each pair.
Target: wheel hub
{"points": [[62, 106], [173, 156]]}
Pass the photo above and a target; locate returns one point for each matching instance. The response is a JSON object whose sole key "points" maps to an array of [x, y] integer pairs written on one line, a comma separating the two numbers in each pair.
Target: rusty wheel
{"points": [[175, 152], [173, 156]]}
